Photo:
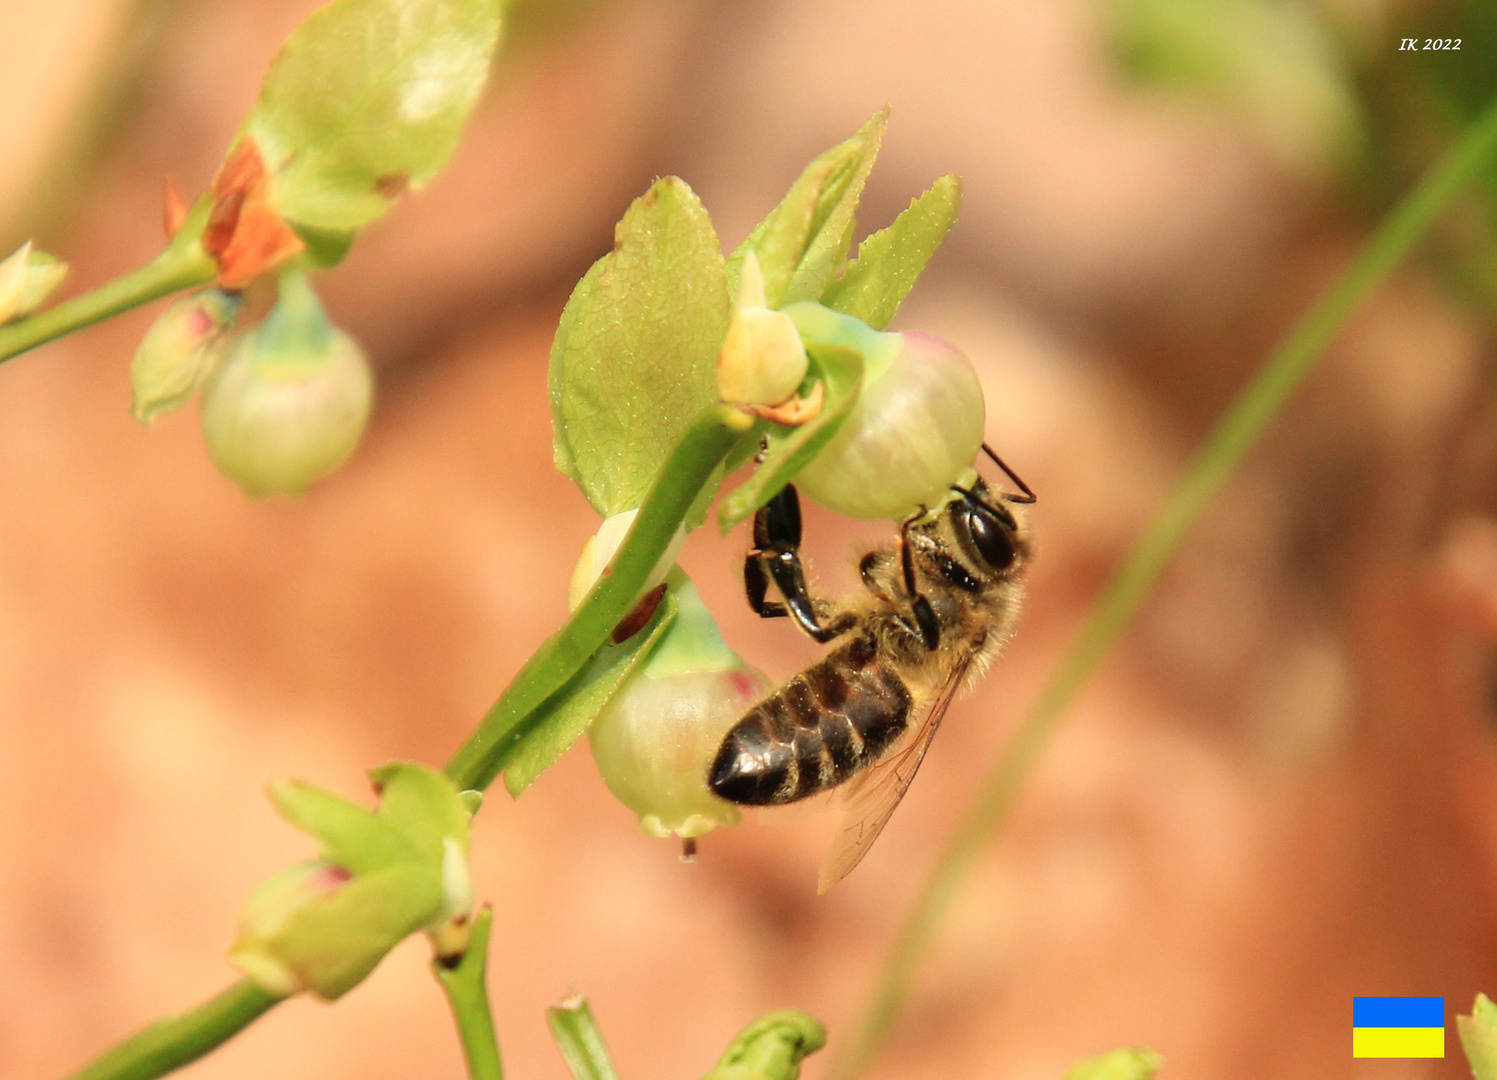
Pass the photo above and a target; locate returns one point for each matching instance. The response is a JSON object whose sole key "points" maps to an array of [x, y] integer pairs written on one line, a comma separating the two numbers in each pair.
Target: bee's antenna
{"points": [[1028, 496], [996, 512]]}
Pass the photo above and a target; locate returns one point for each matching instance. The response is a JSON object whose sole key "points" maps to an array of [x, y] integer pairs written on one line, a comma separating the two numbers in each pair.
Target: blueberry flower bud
{"points": [[916, 428], [763, 360], [289, 403], [179, 350], [600, 549], [655, 740], [27, 278], [383, 874], [1479, 1038]]}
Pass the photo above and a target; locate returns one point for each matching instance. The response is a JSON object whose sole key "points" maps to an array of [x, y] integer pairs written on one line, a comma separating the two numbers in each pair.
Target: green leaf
{"points": [[891, 260], [791, 449], [567, 714], [1133, 1063], [1479, 1038], [635, 356], [771, 1048], [349, 835], [805, 239], [366, 99], [422, 804]]}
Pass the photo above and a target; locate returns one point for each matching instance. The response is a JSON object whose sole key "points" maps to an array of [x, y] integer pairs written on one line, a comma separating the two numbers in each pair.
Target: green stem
{"points": [[691, 464], [171, 1043], [579, 1040], [180, 266], [468, 994], [1238, 430]]}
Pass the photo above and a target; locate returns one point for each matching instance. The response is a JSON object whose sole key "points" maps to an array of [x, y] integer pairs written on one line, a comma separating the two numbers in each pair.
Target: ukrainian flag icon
{"points": [[1397, 1027]]}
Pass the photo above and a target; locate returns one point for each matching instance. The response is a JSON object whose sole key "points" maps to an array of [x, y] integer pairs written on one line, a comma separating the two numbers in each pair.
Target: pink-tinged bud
{"points": [[763, 360], [383, 874], [916, 429], [267, 914], [179, 350], [655, 740], [290, 402], [27, 278]]}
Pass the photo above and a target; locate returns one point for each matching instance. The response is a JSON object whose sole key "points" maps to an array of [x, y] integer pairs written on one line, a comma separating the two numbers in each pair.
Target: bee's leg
{"points": [[776, 527], [776, 557], [925, 618], [756, 585]]}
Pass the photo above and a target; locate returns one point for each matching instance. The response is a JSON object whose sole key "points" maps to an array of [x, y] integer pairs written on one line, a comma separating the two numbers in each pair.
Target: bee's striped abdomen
{"points": [[829, 722]]}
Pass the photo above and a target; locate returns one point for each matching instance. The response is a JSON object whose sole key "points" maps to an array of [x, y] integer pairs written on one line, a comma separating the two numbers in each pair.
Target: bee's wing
{"points": [[877, 792]]}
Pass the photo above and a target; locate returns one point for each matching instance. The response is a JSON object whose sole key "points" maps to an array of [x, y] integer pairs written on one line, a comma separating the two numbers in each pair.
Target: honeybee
{"points": [[938, 606]]}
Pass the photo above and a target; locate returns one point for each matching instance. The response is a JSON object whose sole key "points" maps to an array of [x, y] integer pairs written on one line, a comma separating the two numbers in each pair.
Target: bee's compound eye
{"points": [[991, 536]]}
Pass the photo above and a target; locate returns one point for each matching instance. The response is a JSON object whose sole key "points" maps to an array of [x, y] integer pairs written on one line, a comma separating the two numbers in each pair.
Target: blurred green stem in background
{"points": [[171, 1043], [100, 117], [1237, 431], [467, 992], [579, 1040]]}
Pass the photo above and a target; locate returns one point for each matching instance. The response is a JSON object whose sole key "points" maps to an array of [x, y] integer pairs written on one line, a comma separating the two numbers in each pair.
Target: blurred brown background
{"points": [[1278, 793]]}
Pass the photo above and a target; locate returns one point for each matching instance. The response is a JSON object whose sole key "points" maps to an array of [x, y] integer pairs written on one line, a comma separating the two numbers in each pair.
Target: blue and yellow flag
{"points": [[1397, 1027]]}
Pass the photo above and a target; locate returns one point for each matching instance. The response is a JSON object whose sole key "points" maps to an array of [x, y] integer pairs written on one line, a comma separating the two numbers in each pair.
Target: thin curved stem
{"points": [[181, 266], [693, 461], [171, 1043], [1258, 403], [467, 992]]}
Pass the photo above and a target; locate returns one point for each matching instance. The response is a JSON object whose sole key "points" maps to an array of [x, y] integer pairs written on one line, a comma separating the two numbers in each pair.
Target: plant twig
{"points": [[579, 1040], [1237, 431], [688, 469], [468, 994], [181, 266], [171, 1043]]}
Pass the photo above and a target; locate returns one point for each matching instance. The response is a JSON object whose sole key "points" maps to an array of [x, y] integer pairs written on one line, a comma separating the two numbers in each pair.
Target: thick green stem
{"points": [[690, 466], [180, 266], [169, 1044], [579, 1040], [468, 994], [1238, 430]]}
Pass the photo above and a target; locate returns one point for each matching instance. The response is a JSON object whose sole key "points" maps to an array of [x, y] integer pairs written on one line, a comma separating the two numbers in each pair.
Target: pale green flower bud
{"points": [[600, 549], [27, 278], [1479, 1038], [386, 873], [915, 430], [771, 1048], [763, 360], [655, 740], [179, 350], [290, 401]]}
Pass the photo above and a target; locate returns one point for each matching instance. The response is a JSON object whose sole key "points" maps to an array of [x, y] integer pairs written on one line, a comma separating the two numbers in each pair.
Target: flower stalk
{"points": [[710, 438]]}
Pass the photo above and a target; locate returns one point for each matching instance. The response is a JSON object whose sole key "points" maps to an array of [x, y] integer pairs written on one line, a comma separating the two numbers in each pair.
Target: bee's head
{"points": [[986, 530]]}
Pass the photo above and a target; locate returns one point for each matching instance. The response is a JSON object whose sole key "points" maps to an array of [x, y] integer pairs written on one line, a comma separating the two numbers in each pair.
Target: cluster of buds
{"points": [[915, 430], [282, 404], [383, 874]]}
